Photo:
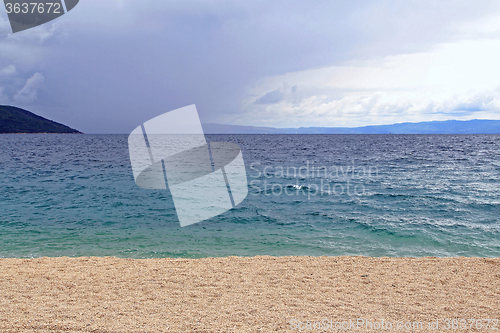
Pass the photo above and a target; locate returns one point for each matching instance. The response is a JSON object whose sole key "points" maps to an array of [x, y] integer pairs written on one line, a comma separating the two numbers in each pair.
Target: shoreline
{"points": [[243, 294]]}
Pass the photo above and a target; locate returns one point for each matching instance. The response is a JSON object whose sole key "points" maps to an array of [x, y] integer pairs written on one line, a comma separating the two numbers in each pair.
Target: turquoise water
{"points": [[373, 195]]}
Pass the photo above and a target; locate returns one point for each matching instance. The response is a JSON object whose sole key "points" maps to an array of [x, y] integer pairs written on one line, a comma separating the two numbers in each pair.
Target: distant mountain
{"points": [[475, 126], [17, 120]]}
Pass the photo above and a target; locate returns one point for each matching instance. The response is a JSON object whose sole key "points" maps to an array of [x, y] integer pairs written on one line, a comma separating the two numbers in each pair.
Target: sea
{"points": [[309, 195]]}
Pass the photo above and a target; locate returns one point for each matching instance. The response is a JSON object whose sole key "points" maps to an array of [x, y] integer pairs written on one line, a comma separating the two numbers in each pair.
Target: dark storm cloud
{"points": [[109, 65]]}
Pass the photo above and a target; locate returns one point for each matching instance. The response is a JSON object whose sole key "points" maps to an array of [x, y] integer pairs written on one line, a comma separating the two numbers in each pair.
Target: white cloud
{"points": [[271, 97], [36, 35], [9, 70], [28, 93], [487, 26], [458, 80]]}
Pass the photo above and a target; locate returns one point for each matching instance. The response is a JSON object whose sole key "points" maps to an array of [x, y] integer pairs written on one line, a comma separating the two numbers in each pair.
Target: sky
{"points": [[108, 66]]}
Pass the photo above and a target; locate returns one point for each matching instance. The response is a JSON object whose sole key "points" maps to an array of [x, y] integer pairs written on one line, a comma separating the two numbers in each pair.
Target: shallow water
{"points": [[373, 195]]}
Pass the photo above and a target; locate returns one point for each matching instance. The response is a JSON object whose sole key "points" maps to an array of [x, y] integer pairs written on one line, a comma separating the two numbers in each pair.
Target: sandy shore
{"points": [[246, 294]]}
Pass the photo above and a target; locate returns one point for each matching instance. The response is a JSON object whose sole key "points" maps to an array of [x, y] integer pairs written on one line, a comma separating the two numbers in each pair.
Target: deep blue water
{"points": [[373, 195]]}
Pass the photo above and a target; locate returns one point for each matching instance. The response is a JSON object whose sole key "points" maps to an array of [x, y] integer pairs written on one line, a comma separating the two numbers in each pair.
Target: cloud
{"points": [[108, 59], [4, 25], [271, 97], [37, 35], [28, 94], [452, 81], [9, 70], [4, 99]]}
